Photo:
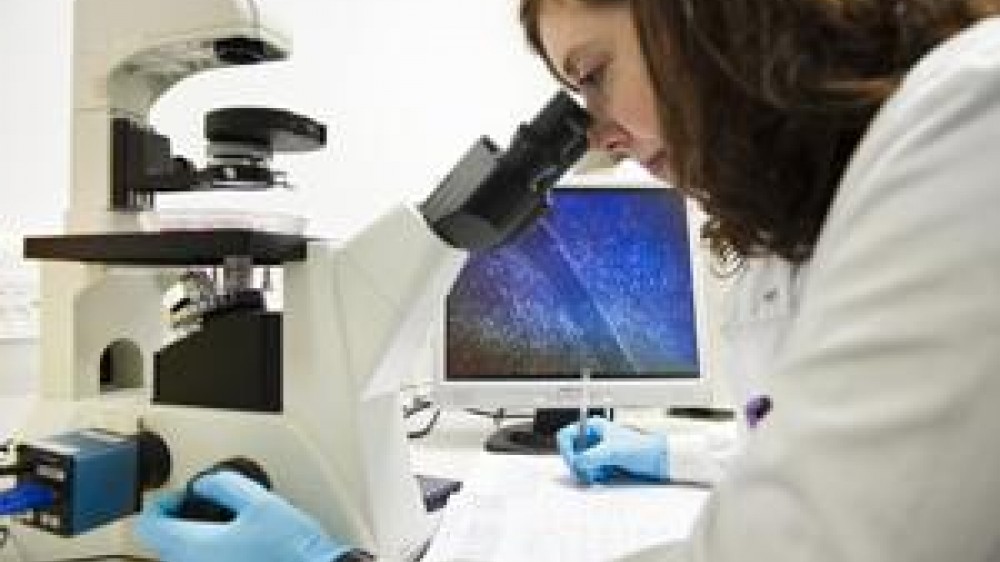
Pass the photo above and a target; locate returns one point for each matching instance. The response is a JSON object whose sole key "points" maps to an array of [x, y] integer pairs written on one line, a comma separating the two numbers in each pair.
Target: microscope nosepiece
{"points": [[245, 50]]}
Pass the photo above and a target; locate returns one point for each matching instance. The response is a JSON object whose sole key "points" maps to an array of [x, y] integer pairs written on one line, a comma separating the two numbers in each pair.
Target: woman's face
{"points": [[596, 50]]}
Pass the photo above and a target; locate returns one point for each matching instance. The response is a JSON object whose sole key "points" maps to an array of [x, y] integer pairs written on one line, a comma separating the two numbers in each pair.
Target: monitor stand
{"points": [[537, 437]]}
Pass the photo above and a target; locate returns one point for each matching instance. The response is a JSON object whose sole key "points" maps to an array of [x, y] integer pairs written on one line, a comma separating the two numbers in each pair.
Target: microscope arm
{"points": [[489, 196]]}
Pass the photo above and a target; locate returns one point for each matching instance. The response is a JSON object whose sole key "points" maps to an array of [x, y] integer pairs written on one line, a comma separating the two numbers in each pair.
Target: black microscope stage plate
{"points": [[173, 248]]}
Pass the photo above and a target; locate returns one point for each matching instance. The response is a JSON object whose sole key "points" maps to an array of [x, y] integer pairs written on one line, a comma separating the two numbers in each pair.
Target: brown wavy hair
{"points": [[762, 102]]}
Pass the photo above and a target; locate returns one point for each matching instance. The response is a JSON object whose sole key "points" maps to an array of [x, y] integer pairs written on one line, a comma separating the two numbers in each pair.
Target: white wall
{"points": [[34, 113]]}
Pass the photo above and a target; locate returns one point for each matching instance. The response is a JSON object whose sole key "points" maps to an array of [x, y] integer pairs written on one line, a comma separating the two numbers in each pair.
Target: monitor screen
{"points": [[603, 281]]}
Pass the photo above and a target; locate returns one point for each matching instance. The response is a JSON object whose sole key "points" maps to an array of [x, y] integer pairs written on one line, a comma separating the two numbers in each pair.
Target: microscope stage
{"points": [[174, 248]]}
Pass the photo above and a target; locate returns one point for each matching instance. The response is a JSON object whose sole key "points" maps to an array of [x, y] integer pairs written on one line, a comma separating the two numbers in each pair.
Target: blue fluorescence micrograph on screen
{"points": [[602, 281]]}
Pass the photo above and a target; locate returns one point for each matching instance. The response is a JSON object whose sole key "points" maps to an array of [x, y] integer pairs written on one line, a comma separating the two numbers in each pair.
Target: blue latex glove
{"points": [[611, 449], [266, 527]]}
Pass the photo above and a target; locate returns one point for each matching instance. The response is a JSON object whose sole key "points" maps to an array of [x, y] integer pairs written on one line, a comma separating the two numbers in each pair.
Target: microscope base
{"points": [[331, 488]]}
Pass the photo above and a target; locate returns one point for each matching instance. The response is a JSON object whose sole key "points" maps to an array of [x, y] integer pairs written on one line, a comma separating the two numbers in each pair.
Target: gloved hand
{"points": [[609, 449], [266, 527]]}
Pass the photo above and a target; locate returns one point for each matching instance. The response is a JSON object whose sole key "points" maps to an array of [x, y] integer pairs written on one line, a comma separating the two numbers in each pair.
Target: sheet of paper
{"points": [[515, 508]]}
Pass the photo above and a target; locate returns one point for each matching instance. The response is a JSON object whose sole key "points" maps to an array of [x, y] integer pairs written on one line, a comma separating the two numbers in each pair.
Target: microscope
{"points": [[161, 358]]}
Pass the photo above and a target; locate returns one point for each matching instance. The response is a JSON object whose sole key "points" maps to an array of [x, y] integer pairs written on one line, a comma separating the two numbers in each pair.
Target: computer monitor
{"points": [[607, 280]]}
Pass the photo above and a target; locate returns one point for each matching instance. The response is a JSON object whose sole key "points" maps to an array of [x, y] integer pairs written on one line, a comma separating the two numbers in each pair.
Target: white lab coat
{"points": [[884, 441], [758, 303]]}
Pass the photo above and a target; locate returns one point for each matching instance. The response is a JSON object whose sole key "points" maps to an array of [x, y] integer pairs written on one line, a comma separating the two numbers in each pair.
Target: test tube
{"points": [[581, 437]]}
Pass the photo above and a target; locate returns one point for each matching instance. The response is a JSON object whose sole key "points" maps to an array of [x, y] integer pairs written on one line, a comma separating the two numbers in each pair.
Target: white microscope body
{"points": [[337, 449], [355, 313]]}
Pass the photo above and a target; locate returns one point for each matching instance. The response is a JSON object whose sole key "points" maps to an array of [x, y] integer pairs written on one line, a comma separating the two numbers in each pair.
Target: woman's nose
{"points": [[604, 135]]}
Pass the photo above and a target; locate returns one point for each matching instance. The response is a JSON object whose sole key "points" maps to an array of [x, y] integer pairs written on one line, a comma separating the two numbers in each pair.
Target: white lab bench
{"points": [[546, 508]]}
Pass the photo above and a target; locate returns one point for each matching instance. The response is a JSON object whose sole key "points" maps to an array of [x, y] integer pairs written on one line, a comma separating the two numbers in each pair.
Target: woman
{"points": [[844, 142], [848, 149]]}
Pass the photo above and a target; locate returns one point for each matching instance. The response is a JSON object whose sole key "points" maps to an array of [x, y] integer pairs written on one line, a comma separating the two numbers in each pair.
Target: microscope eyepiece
{"points": [[490, 196]]}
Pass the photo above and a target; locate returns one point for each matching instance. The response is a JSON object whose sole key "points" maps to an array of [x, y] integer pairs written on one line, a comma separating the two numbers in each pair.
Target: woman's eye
{"points": [[593, 79]]}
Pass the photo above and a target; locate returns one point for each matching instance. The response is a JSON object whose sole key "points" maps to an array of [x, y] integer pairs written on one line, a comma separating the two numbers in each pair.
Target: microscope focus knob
{"points": [[196, 508]]}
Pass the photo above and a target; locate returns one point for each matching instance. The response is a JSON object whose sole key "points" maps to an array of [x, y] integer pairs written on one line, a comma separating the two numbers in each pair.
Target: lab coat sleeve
{"points": [[883, 445], [701, 457]]}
